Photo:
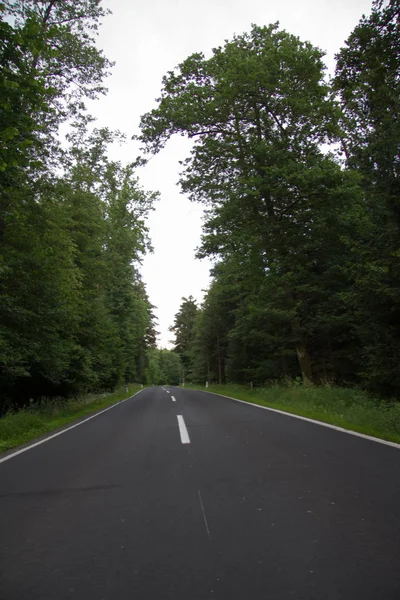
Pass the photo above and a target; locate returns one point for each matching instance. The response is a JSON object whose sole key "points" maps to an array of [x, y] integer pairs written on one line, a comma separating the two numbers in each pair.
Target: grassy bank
{"points": [[25, 425], [348, 408]]}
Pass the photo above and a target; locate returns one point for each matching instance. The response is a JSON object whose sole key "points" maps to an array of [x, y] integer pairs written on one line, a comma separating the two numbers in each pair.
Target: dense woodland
{"points": [[300, 178], [74, 313]]}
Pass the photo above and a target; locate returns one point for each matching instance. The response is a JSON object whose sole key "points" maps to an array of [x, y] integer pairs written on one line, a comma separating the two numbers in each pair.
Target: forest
{"points": [[74, 313], [298, 173], [299, 176]]}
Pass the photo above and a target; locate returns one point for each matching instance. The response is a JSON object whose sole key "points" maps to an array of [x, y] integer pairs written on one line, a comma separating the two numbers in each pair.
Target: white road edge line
{"points": [[185, 439], [173, 399], [371, 438], [54, 435]]}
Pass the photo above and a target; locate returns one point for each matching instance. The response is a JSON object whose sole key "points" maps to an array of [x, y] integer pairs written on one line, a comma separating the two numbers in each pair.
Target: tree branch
{"points": [[48, 10], [209, 132]]}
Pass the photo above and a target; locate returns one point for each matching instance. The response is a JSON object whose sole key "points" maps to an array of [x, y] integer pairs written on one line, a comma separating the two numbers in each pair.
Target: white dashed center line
{"points": [[173, 398], [185, 439]]}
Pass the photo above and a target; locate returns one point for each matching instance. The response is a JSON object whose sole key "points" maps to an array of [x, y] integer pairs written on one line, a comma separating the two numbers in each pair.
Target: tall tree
{"points": [[368, 83], [259, 110], [183, 328], [74, 314]]}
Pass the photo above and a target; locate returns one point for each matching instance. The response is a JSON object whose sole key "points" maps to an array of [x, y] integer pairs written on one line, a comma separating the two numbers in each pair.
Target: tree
{"points": [[163, 367], [50, 57], [40, 291], [79, 318], [258, 111], [74, 312], [106, 208], [183, 328], [368, 83], [209, 351]]}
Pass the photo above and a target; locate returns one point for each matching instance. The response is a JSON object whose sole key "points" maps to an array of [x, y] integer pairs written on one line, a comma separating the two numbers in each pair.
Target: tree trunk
{"points": [[284, 368], [302, 354], [304, 363], [219, 361]]}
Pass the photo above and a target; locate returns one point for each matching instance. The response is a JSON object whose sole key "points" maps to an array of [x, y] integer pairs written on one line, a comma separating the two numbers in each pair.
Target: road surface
{"points": [[228, 502]]}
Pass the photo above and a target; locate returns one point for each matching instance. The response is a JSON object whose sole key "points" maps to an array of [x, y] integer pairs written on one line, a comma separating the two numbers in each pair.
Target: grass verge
{"points": [[348, 408], [23, 426]]}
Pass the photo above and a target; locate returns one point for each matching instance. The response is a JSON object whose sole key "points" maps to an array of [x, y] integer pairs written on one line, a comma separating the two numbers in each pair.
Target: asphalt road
{"points": [[253, 505]]}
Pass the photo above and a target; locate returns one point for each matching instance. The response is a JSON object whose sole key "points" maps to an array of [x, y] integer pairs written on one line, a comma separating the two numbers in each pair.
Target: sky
{"points": [[146, 39]]}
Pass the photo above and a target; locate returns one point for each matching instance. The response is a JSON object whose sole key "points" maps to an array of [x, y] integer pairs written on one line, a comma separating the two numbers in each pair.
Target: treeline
{"points": [[163, 367], [74, 313], [300, 179]]}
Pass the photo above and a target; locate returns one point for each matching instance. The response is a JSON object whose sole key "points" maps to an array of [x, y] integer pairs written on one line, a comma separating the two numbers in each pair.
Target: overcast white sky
{"points": [[148, 38]]}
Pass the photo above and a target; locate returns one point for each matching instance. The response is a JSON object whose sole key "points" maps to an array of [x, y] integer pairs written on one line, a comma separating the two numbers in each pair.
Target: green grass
{"points": [[348, 408], [21, 427]]}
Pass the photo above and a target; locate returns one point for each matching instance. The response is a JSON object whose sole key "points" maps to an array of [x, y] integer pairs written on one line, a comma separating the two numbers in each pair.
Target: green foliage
{"points": [[368, 82], [74, 313], [39, 289], [49, 65], [164, 367], [259, 110], [209, 349], [307, 276], [183, 329]]}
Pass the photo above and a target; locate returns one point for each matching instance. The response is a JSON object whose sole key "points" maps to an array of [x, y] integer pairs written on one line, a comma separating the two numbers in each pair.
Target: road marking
{"points": [[173, 398], [168, 392], [328, 425], [204, 515], [54, 435], [185, 439]]}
